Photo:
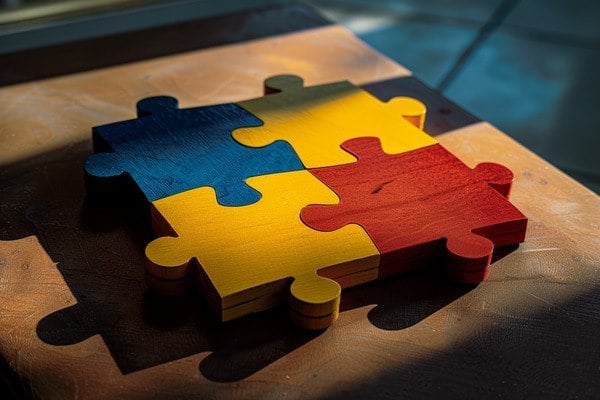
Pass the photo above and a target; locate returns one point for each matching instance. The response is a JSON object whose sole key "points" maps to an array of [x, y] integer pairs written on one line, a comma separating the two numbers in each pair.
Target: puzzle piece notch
{"points": [[315, 120], [156, 105], [276, 247], [411, 109], [168, 150], [408, 200]]}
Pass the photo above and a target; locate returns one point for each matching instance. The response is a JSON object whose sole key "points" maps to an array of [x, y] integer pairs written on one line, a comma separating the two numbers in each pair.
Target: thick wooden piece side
{"points": [[168, 150], [250, 252], [421, 205]]}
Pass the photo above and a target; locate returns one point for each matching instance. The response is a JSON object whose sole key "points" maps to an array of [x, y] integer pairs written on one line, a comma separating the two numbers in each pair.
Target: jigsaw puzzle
{"points": [[293, 196], [168, 150], [252, 253], [316, 120], [415, 199]]}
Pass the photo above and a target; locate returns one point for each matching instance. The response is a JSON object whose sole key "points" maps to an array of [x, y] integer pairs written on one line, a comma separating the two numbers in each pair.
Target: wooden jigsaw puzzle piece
{"points": [[423, 206], [168, 150], [316, 120], [250, 257]]}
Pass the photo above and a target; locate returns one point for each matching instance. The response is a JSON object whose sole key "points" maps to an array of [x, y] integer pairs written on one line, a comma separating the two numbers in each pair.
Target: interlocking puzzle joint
{"points": [[315, 120], [168, 150], [247, 251], [426, 195], [293, 196]]}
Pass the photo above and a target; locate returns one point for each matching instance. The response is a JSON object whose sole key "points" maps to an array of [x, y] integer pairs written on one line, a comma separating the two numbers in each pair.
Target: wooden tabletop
{"points": [[76, 319]]}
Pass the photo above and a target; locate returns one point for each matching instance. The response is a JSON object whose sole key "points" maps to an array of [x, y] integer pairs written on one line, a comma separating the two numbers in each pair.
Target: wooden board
{"points": [[530, 330]]}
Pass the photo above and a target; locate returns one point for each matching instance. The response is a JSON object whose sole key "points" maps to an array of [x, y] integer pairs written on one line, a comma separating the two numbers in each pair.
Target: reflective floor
{"points": [[530, 67]]}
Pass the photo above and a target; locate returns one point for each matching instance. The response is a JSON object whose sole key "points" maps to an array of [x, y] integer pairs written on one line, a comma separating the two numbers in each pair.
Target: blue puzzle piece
{"points": [[168, 150]]}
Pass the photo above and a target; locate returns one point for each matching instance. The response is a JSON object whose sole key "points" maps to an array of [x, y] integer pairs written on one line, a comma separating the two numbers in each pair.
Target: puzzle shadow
{"points": [[100, 255], [162, 329], [99, 251], [142, 329], [405, 300]]}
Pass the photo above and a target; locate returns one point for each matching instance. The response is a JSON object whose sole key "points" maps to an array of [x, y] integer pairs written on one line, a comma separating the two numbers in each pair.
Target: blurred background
{"points": [[530, 67]]}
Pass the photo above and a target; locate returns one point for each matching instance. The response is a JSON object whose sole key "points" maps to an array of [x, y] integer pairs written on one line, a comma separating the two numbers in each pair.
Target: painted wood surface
{"points": [[178, 157], [315, 120], [168, 150], [407, 202], [249, 252], [190, 152]]}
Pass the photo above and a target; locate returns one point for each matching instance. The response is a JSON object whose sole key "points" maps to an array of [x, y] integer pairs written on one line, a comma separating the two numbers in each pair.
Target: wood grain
{"points": [[66, 107], [87, 328], [316, 120], [407, 202], [251, 252], [167, 150]]}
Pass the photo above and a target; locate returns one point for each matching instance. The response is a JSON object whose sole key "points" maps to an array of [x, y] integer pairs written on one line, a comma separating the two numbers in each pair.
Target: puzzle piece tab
{"points": [[420, 205], [240, 217], [316, 120], [248, 256], [168, 150]]}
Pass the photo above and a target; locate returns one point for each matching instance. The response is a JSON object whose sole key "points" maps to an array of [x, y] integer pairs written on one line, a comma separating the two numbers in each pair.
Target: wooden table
{"points": [[76, 320]]}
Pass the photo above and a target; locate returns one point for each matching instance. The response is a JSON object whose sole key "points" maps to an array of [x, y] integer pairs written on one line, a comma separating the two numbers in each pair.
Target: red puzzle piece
{"points": [[418, 204]]}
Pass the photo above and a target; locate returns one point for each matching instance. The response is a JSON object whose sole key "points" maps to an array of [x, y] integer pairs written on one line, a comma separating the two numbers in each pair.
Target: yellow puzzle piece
{"points": [[248, 256], [316, 120]]}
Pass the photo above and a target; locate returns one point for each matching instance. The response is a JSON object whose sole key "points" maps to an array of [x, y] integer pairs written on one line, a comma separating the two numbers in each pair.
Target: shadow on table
{"points": [[100, 255], [143, 329], [407, 299], [550, 352], [99, 251]]}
